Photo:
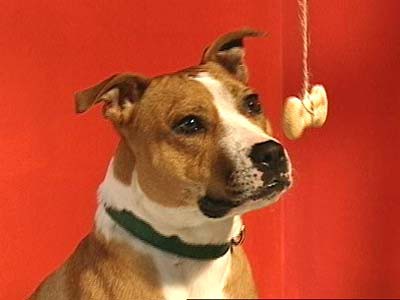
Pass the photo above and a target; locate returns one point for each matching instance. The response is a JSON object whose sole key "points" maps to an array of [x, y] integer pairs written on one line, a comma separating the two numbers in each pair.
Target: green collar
{"points": [[172, 244]]}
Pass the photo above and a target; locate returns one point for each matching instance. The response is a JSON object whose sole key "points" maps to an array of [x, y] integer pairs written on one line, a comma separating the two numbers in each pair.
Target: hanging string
{"points": [[303, 5], [311, 108]]}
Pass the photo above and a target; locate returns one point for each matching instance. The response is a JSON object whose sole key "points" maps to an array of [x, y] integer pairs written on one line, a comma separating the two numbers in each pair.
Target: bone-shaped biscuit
{"points": [[301, 114]]}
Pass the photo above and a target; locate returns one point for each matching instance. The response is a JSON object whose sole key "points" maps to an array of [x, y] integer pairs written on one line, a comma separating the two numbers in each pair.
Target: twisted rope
{"points": [[303, 5]]}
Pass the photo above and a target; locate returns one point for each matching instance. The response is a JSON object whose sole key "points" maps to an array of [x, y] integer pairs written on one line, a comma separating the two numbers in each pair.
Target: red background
{"points": [[336, 234]]}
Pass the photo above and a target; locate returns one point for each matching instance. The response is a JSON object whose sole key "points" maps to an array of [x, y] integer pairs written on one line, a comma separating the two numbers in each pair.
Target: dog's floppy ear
{"points": [[119, 93], [229, 52]]}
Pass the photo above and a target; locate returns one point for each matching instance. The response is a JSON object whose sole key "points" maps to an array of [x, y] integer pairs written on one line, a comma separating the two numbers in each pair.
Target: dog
{"points": [[196, 152]]}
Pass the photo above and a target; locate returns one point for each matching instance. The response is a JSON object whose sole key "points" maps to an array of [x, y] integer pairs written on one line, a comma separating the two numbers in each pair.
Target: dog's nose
{"points": [[269, 156]]}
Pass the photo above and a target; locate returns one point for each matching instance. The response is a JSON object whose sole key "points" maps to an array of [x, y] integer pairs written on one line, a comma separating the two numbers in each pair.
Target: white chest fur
{"points": [[180, 278], [193, 279]]}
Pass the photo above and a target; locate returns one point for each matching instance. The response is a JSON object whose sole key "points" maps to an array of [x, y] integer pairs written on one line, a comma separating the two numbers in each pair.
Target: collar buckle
{"points": [[239, 239]]}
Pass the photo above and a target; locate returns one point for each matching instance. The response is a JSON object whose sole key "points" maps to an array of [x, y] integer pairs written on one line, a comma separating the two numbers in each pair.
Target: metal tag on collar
{"points": [[238, 240]]}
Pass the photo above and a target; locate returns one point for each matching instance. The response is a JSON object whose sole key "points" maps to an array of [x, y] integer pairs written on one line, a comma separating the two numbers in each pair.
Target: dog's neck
{"points": [[188, 223]]}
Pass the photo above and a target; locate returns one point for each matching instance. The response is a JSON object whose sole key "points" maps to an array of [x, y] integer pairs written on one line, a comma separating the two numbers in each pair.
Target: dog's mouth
{"points": [[218, 208], [273, 188]]}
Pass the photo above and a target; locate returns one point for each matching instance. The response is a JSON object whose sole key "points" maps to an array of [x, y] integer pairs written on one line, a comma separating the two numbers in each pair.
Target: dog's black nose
{"points": [[269, 156]]}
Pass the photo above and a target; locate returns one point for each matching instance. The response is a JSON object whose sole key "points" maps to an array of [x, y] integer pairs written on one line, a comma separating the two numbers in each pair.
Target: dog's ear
{"points": [[229, 52], [119, 94]]}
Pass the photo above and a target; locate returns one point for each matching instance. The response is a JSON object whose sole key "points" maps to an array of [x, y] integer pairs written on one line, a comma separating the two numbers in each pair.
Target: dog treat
{"points": [[311, 111]]}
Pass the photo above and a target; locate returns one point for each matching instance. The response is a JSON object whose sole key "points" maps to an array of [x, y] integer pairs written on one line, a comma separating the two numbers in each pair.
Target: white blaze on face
{"points": [[240, 133]]}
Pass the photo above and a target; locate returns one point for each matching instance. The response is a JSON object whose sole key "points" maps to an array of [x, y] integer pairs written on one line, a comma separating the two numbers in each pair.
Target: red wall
{"points": [[53, 160], [335, 233], [341, 220]]}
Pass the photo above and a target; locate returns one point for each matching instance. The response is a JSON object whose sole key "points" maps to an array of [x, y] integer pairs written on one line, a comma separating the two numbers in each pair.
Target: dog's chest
{"points": [[183, 278], [179, 278]]}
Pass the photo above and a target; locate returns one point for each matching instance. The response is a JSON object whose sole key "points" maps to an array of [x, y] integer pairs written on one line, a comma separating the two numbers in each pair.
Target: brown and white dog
{"points": [[195, 153]]}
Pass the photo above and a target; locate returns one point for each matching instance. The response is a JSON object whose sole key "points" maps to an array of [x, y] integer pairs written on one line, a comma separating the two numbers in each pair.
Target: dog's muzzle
{"points": [[268, 176]]}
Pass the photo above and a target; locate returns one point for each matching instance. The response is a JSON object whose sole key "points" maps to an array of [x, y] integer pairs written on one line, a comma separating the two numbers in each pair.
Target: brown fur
{"points": [[170, 167], [124, 162], [166, 163], [239, 90], [102, 271], [108, 271], [232, 59], [240, 284]]}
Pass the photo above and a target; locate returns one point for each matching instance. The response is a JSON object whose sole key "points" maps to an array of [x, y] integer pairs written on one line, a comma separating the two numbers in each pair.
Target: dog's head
{"points": [[198, 137]]}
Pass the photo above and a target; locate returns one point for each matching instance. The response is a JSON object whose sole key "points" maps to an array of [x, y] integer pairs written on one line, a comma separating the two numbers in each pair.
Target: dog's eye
{"points": [[189, 125], [252, 104]]}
